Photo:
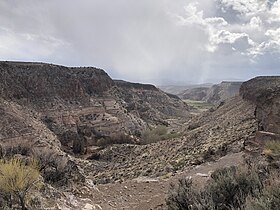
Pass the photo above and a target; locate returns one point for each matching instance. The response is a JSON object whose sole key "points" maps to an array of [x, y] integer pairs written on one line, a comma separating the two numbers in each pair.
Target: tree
{"points": [[18, 178]]}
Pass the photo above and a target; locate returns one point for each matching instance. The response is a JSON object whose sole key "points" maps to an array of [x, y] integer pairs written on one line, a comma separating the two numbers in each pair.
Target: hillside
{"points": [[69, 98], [214, 94], [88, 130], [152, 104], [177, 89]]}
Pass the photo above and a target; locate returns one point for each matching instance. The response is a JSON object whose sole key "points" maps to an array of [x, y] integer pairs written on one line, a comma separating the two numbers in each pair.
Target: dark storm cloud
{"points": [[148, 40]]}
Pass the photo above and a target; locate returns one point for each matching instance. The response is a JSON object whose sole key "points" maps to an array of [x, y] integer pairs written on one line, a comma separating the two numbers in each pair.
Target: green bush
{"points": [[184, 196], [159, 133], [228, 188], [120, 138], [269, 199]]}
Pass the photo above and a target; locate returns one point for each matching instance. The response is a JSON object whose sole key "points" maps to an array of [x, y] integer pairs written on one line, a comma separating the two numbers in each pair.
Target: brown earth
{"points": [[60, 109]]}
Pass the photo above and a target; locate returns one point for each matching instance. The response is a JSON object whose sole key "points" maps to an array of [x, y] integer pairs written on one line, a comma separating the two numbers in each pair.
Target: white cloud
{"points": [[245, 7], [256, 23], [273, 43], [273, 34], [224, 36], [147, 41], [274, 13], [27, 46]]}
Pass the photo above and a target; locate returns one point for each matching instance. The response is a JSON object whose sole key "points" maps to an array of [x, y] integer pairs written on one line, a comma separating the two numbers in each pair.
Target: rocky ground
{"points": [[209, 136], [139, 193], [60, 115]]}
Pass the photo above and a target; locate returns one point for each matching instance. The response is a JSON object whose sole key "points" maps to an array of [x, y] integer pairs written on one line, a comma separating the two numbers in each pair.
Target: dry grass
{"points": [[272, 150], [18, 178], [157, 134]]}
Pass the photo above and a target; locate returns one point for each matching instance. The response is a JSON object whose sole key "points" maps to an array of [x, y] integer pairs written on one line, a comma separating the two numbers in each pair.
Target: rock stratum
{"points": [[215, 94], [66, 100], [62, 114]]}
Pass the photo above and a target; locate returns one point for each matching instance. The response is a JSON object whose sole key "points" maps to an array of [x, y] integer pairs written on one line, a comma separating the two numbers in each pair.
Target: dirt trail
{"points": [[146, 194]]}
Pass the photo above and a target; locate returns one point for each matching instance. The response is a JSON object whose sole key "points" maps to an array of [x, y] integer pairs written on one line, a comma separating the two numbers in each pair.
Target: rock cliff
{"points": [[214, 94], [85, 99], [264, 92]]}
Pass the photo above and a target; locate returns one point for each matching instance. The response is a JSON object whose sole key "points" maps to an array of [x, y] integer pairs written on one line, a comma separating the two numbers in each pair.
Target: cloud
{"points": [[147, 41], [256, 23], [245, 7]]}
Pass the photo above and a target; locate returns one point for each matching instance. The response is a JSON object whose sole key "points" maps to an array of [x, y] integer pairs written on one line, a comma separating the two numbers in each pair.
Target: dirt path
{"points": [[145, 194]]}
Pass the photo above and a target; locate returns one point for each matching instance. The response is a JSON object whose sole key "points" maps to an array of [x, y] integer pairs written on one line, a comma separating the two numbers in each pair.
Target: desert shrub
{"points": [[79, 144], [272, 150], [269, 197], [120, 138], [159, 133], [183, 196], [102, 142], [208, 154], [53, 168], [160, 130], [228, 188], [18, 178], [148, 137], [22, 148]]}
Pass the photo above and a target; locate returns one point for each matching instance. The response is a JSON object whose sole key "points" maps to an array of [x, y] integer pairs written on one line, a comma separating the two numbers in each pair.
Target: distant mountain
{"points": [[214, 94], [177, 89]]}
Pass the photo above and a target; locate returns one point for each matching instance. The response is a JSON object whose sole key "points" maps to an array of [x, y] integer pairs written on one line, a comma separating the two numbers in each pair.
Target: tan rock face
{"points": [[66, 99], [150, 103], [214, 94], [265, 93]]}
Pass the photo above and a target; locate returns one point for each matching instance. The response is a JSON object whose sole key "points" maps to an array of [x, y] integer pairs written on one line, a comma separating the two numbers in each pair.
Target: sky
{"points": [[149, 41]]}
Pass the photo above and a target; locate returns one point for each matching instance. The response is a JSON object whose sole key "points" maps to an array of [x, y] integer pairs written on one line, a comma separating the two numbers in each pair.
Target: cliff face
{"points": [[222, 92], [234, 126], [45, 85], [150, 103], [215, 94], [197, 94], [265, 93], [67, 100]]}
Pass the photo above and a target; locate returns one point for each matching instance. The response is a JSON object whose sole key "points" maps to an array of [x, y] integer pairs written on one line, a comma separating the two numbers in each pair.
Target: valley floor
{"points": [[145, 194]]}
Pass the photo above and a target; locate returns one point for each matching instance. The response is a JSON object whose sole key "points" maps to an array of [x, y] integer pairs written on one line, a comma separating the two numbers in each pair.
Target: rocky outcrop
{"points": [[85, 99], [265, 93], [51, 86], [216, 133], [177, 89], [222, 92], [196, 94], [215, 94], [231, 127], [150, 103]]}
